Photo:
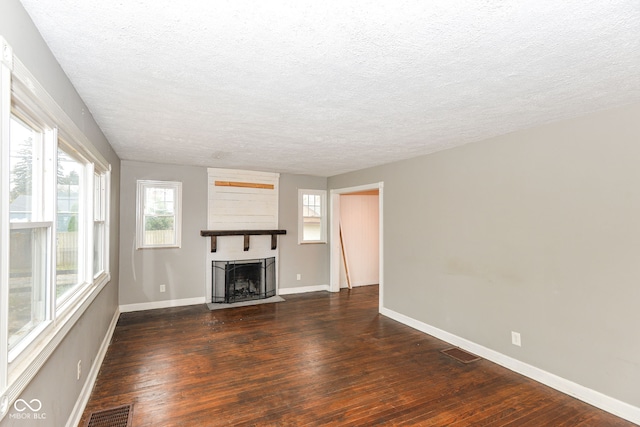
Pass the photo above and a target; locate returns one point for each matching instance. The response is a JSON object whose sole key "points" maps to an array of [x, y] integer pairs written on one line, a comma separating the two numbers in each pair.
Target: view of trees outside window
{"points": [[30, 231], [21, 160], [56, 229], [27, 240]]}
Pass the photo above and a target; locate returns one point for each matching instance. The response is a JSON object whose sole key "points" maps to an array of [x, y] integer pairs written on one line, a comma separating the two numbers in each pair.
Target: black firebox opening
{"points": [[243, 280]]}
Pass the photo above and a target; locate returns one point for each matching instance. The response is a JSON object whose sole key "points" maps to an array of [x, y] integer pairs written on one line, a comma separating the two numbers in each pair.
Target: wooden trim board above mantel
{"points": [[244, 185]]}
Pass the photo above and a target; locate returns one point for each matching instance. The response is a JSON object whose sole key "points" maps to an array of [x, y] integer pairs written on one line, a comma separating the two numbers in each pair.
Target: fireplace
{"points": [[243, 280]]}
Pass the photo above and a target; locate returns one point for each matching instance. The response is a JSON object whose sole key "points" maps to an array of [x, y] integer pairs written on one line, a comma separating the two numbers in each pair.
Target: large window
{"points": [[54, 225], [159, 222], [312, 216], [29, 235]]}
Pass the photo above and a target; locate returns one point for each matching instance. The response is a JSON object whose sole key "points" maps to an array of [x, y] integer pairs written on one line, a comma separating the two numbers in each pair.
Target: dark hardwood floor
{"points": [[316, 359]]}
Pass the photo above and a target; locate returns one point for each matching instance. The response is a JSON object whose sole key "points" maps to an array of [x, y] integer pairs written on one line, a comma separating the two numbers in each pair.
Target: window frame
{"points": [[40, 217], [142, 186], [323, 216], [100, 217], [85, 210], [23, 97]]}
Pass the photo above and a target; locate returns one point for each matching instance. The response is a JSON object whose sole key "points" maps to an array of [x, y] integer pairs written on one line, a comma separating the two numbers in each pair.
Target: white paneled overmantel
{"points": [[241, 200]]}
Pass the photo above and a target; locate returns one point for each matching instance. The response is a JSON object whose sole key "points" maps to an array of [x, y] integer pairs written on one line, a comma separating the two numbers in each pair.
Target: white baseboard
{"points": [[85, 393], [303, 289], [606, 403], [126, 308]]}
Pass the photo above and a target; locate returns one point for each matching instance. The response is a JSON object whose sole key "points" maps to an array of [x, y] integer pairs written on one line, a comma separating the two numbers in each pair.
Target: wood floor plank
{"points": [[316, 359]]}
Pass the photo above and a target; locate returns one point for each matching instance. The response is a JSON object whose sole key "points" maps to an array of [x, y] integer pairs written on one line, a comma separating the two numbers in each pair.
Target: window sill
{"points": [[26, 365], [159, 247]]}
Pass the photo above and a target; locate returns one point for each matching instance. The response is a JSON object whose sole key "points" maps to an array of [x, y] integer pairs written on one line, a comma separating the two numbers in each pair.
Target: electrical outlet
{"points": [[163, 288], [515, 339], [79, 373], [298, 276]]}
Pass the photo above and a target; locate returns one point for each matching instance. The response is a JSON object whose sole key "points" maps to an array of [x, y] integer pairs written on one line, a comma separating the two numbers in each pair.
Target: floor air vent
{"points": [[461, 355], [119, 416]]}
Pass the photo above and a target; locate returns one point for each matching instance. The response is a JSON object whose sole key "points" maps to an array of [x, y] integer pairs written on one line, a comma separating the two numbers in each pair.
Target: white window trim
{"points": [[102, 217], [6, 68], [16, 375], [177, 187], [323, 219]]}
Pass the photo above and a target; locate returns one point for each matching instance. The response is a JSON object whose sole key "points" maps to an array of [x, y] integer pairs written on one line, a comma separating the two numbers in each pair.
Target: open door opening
{"points": [[356, 237]]}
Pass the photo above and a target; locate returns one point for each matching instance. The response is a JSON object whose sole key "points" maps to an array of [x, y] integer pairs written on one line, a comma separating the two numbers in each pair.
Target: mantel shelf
{"points": [[213, 234]]}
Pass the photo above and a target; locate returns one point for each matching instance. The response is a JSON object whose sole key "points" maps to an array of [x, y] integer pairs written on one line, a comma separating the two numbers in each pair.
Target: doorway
{"points": [[336, 260]]}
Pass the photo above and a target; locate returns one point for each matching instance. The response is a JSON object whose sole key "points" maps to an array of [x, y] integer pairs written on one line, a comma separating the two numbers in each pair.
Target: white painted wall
{"points": [[309, 261], [181, 270], [535, 232], [360, 224]]}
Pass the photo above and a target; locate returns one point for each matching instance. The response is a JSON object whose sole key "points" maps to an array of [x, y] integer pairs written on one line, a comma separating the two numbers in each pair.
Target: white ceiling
{"points": [[325, 87]]}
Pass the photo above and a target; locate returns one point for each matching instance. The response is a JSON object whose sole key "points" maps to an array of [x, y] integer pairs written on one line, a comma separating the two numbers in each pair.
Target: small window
{"points": [[159, 220], [99, 223], [312, 216]]}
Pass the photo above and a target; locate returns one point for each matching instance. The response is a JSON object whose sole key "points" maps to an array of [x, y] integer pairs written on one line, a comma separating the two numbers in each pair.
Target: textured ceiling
{"points": [[324, 87]]}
